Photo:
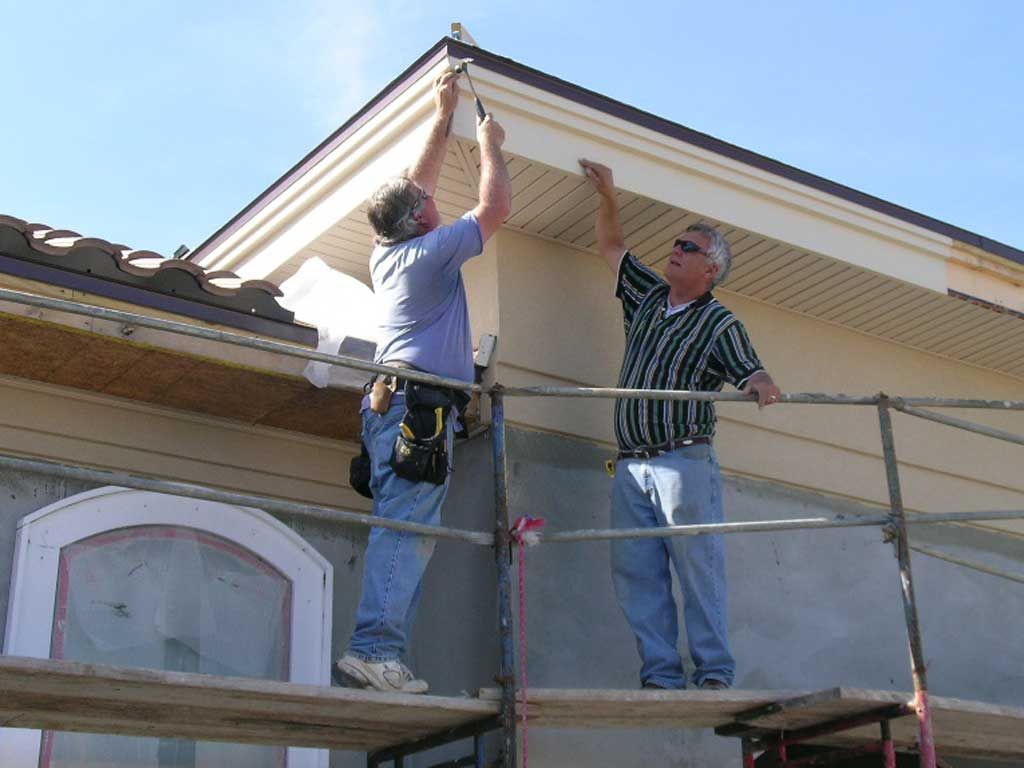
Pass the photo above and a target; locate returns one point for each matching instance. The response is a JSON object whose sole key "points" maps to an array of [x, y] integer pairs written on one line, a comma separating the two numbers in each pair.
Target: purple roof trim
{"points": [[76, 281], [391, 91], [594, 100]]}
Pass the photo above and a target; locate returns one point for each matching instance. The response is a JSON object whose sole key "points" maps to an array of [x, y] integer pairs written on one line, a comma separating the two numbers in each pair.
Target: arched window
{"points": [[132, 578]]}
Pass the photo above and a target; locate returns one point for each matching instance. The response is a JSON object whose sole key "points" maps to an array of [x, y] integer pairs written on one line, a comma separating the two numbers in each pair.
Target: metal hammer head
{"points": [[460, 65]]}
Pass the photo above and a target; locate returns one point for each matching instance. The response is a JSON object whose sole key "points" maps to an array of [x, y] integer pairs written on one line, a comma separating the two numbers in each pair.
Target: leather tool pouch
{"points": [[359, 473], [381, 391], [421, 448]]}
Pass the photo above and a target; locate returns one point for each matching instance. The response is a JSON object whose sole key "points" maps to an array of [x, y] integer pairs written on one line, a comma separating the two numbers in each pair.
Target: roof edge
{"points": [[384, 97], [588, 98], [528, 76]]}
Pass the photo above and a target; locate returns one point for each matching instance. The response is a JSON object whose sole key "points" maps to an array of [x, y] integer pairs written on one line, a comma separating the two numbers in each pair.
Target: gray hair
{"points": [[719, 252], [392, 211]]}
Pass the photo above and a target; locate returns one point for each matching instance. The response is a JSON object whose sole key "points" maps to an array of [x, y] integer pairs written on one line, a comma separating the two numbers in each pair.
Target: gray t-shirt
{"points": [[421, 300]]}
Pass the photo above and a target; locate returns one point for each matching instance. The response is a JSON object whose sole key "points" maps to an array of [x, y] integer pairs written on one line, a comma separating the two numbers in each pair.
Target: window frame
{"points": [[42, 534]]}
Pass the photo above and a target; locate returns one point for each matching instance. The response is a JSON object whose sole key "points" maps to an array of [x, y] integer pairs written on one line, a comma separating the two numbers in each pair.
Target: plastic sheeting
{"points": [[344, 313], [172, 598]]}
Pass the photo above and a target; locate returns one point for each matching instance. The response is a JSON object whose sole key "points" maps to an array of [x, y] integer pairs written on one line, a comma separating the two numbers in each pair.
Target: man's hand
{"points": [[446, 94], [600, 176], [761, 384], [489, 132], [610, 240]]}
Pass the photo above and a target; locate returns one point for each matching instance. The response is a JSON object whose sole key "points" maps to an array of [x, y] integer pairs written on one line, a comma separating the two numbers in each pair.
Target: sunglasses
{"points": [[688, 246]]}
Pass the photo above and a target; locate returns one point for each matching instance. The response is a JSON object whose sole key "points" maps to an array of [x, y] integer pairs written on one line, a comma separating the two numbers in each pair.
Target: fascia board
{"points": [[330, 200], [406, 108], [556, 131]]}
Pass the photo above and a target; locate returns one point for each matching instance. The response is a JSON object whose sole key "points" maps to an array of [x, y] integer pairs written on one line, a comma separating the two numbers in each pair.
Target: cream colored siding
{"points": [[66, 425]]}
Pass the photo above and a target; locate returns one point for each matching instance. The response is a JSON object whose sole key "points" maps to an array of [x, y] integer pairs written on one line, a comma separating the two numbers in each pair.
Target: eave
{"points": [[801, 242]]}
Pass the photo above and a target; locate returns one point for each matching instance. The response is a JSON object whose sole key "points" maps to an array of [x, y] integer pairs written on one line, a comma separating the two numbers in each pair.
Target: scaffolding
{"points": [[763, 723]]}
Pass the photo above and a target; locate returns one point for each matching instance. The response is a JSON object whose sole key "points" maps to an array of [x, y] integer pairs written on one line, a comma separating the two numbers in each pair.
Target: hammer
{"points": [[463, 66]]}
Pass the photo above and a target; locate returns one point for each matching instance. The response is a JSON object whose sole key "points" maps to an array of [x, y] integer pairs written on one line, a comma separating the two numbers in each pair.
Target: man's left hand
{"points": [[446, 93], [762, 385]]}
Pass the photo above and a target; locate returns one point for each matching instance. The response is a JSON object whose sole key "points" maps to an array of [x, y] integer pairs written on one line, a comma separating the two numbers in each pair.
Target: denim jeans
{"points": [[682, 487], [395, 561]]}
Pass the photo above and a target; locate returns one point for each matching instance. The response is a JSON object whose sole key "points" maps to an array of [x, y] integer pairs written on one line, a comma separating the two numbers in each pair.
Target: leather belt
{"points": [[650, 452]]}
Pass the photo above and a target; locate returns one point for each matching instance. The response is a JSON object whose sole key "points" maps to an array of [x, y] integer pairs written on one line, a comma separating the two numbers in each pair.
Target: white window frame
{"points": [[42, 534]]}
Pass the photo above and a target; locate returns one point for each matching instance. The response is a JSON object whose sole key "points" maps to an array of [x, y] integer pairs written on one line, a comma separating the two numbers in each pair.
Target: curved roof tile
{"points": [[106, 262]]}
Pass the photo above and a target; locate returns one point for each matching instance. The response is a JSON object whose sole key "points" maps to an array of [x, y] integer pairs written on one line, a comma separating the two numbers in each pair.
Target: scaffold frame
{"points": [[894, 524]]}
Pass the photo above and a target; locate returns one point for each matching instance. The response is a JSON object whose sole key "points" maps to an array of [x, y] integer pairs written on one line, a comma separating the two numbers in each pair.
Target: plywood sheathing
{"points": [[54, 354]]}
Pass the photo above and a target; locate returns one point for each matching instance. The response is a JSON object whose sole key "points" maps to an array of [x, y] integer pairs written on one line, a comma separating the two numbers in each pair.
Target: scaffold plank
{"points": [[961, 727], [608, 708], [63, 695], [965, 728]]}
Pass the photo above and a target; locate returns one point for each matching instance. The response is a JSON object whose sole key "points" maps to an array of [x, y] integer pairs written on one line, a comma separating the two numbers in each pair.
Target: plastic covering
{"points": [[344, 313], [173, 598]]}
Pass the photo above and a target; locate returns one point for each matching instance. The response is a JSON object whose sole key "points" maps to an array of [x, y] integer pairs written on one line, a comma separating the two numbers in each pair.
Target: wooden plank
{"points": [[961, 727], [51, 694], [63, 695], [967, 728], [602, 708]]}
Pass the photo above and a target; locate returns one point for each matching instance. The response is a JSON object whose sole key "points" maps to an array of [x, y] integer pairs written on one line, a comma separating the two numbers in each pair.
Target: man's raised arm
{"points": [[610, 241], [495, 186], [426, 169]]}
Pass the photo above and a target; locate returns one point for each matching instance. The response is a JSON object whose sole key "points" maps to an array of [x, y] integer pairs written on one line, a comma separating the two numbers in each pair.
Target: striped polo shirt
{"points": [[698, 348]]}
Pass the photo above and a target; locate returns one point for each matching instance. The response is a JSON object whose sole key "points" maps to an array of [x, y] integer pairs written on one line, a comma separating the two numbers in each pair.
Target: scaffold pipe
{"points": [[951, 421], [266, 503], [226, 337]]}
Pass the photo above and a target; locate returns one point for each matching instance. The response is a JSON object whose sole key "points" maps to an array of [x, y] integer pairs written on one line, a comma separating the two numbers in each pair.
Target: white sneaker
{"points": [[389, 676]]}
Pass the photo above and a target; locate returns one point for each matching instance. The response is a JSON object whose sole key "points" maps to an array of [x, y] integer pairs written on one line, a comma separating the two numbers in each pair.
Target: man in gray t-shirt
{"points": [[424, 323]]}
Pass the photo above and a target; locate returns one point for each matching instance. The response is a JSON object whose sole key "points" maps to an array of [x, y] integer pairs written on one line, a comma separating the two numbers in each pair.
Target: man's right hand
{"points": [[446, 94], [600, 176], [490, 132]]}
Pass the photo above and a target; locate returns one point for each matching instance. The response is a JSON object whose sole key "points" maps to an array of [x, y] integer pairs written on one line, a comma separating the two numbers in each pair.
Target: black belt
{"points": [[650, 452]]}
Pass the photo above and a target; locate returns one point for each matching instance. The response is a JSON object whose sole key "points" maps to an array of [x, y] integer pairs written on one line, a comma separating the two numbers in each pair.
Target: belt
{"points": [[650, 452], [399, 381]]}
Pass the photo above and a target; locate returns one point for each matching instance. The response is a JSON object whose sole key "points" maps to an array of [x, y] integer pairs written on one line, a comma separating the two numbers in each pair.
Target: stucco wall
{"points": [[808, 610], [68, 425]]}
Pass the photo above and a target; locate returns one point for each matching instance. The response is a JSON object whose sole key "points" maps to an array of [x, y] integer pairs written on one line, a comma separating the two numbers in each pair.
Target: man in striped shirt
{"points": [[678, 337]]}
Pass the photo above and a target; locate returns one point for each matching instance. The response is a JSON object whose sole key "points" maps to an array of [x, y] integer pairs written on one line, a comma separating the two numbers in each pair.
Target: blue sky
{"points": [[151, 124]]}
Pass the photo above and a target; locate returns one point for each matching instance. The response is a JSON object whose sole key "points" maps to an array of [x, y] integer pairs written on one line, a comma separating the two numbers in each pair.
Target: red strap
{"points": [[525, 531]]}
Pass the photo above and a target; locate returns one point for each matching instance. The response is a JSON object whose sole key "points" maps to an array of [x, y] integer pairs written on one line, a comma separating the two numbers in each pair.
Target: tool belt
{"points": [[421, 448]]}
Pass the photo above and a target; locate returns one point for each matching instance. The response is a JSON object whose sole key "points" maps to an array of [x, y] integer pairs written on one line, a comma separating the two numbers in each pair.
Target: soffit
{"points": [[559, 206]]}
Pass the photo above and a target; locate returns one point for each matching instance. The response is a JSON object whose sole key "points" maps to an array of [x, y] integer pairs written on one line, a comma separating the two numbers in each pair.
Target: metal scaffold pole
{"points": [[898, 529], [502, 542]]}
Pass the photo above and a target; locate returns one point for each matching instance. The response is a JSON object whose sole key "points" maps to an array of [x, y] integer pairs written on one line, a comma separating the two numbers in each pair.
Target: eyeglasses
{"points": [[688, 246], [424, 196]]}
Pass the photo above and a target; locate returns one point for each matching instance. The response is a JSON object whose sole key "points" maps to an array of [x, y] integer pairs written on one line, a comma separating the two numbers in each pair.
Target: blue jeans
{"points": [[395, 561], [682, 487]]}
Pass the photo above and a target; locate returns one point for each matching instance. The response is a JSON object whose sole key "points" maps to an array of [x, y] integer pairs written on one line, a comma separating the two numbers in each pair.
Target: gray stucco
{"points": [[809, 610]]}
